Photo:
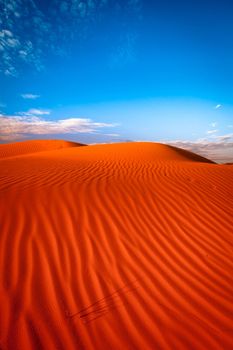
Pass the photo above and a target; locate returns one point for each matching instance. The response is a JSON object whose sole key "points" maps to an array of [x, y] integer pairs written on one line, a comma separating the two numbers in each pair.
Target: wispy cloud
{"points": [[30, 96], [224, 138], [35, 111], [218, 106], [17, 48], [112, 135], [210, 132], [17, 127]]}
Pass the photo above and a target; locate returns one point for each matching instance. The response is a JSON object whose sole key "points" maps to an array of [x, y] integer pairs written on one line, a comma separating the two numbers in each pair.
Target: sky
{"points": [[97, 71]]}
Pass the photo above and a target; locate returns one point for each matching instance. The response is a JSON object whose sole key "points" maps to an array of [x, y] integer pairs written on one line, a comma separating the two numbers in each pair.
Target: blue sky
{"points": [[106, 71]]}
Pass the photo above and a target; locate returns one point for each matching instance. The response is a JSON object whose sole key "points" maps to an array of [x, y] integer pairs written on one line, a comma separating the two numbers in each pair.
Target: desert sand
{"points": [[116, 246]]}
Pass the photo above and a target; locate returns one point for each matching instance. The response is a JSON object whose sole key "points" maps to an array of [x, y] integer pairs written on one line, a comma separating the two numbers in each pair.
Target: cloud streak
{"points": [[210, 132], [30, 96], [18, 127], [35, 111]]}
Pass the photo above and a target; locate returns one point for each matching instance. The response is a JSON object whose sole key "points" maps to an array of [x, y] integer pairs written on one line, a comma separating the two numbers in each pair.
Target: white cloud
{"points": [[30, 96], [210, 132], [6, 33], [218, 106], [19, 126], [13, 42], [35, 111]]}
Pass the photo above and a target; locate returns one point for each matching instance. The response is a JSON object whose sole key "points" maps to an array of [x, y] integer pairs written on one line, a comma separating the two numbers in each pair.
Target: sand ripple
{"points": [[125, 246]]}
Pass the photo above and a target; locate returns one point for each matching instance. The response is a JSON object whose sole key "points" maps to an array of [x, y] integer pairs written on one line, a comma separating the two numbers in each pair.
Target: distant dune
{"points": [[122, 246], [33, 146]]}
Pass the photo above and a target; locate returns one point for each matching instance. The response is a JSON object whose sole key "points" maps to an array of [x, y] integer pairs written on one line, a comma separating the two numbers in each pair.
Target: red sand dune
{"points": [[124, 246], [26, 147]]}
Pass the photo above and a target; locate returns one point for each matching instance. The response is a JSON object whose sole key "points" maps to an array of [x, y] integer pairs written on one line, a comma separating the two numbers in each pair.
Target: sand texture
{"points": [[119, 246]]}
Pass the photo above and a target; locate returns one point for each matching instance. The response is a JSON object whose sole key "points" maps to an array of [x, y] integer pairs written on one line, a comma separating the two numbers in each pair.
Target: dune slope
{"points": [[125, 246]]}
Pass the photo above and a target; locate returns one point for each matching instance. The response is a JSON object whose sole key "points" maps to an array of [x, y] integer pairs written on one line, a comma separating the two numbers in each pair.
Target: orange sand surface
{"points": [[119, 246]]}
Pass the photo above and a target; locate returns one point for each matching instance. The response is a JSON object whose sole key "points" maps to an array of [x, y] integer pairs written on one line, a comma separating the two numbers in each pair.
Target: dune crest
{"points": [[150, 151], [121, 246]]}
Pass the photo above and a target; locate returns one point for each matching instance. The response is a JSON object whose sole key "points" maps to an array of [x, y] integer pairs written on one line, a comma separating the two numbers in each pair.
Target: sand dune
{"points": [[33, 146], [125, 246]]}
